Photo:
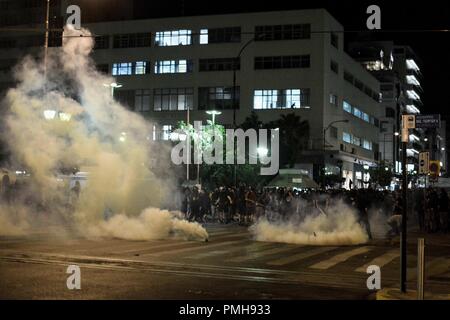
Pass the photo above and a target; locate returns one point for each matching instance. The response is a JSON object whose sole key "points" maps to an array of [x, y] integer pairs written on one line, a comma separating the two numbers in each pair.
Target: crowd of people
{"points": [[429, 208]]}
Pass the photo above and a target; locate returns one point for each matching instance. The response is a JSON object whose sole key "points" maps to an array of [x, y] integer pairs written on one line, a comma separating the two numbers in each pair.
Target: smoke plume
{"points": [[336, 225], [105, 139]]}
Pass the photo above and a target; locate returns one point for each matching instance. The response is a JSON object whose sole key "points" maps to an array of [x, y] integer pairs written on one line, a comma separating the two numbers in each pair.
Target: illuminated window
{"points": [[333, 99], [173, 66], [281, 99], [347, 107], [204, 36], [173, 38], [141, 67], [129, 68], [346, 137], [123, 68]]}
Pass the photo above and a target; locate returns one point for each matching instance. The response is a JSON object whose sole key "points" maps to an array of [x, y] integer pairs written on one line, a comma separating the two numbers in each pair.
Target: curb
{"points": [[395, 294]]}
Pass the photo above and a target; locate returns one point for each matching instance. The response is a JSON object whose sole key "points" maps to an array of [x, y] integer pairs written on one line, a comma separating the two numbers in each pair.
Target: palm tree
{"points": [[294, 136], [252, 122]]}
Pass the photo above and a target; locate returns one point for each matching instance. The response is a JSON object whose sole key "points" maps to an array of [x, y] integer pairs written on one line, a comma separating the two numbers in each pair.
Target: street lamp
{"points": [[113, 86], [214, 113], [329, 126]]}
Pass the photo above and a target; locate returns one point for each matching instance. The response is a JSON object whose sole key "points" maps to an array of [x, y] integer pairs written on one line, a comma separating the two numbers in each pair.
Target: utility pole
{"points": [[408, 122]]}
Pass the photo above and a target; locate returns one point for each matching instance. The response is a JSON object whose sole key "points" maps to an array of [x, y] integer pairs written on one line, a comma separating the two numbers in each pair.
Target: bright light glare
{"points": [[49, 114], [65, 116], [262, 152], [411, 65]]}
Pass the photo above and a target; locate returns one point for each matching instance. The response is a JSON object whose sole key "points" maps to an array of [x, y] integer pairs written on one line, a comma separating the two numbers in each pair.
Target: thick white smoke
{"points": [[338, 225], [101, 135]]}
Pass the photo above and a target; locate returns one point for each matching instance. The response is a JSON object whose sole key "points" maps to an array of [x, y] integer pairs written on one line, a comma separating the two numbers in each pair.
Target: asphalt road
{"points": [[230, 266]]}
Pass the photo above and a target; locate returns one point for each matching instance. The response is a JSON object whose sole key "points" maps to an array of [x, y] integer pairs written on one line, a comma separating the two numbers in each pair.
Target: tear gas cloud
{"points": [[338, 224], [120, 178]]}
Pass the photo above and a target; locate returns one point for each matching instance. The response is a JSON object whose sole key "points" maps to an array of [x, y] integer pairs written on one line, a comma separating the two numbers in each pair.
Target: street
{"points": [[230, 266]]}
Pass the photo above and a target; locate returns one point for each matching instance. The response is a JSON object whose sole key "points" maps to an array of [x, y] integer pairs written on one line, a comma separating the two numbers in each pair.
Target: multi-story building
{"points": [[167, 66], [397, 69], [284, 63]]}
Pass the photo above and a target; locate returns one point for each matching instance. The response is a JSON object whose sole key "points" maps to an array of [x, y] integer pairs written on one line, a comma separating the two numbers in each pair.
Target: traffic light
{"points": [[424, 163], [435, 168]]}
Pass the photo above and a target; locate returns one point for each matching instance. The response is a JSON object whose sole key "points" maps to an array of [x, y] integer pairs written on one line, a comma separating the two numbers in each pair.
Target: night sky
{"points": [[413, 16]]}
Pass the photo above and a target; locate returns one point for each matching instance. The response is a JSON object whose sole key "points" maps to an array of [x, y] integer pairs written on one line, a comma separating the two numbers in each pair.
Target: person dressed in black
{"points": [[195, 205], [443, 211]]}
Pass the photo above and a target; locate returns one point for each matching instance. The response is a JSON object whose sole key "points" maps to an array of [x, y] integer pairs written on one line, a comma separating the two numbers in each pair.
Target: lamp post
{"points": [[113, 86], [324, 142], [214, 113], [328, 127]]}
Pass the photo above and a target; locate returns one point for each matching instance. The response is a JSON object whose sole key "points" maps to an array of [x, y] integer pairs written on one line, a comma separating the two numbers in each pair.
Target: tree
{"points": [[381, 175], [294, 136]]}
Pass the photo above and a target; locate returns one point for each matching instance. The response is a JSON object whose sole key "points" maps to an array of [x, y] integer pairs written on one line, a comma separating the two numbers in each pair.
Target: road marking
{"points": [[300, 256], [156, 245], [250, 248], [203, 246], [381, 260], [263, 253], [326, 264]]}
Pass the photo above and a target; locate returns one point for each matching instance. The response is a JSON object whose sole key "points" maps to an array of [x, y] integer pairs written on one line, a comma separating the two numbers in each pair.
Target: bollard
{"points": [[420, 267]]}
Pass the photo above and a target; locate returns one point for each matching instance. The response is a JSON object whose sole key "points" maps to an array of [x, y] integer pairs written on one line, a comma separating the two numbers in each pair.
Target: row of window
{"points": [[361, 86], [281, 99], [360, 114], [184, 37], [218, 64], [352, 139], [282, 62], [211, 98]]}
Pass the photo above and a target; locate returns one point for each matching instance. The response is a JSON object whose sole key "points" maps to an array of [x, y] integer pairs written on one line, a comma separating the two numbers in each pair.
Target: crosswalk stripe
{"points": [[202, 246], [380, 260], [156, 245], [326, 264], [250, 248], [300, 256], [263, 253]]}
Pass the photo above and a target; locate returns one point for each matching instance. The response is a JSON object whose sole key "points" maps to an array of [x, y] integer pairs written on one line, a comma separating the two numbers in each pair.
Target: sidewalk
{"points": [[395, 294]]}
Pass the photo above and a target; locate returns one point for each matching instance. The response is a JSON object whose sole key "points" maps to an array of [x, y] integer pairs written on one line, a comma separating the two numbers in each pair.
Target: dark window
{"points": [[390, 113], [335, 40], [173, 99], [359, 85], [217, 98], [132, 40], [333, 132], [220, 64], [334, 67], [348, 77], [282, 62], [223, 35], [283, 32], [103, 68], [7, 43], [125, 97], [101, 42]]}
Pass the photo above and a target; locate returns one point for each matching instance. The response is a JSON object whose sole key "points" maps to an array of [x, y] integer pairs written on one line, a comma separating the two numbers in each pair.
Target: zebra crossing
{"points": [[240, 249]]}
